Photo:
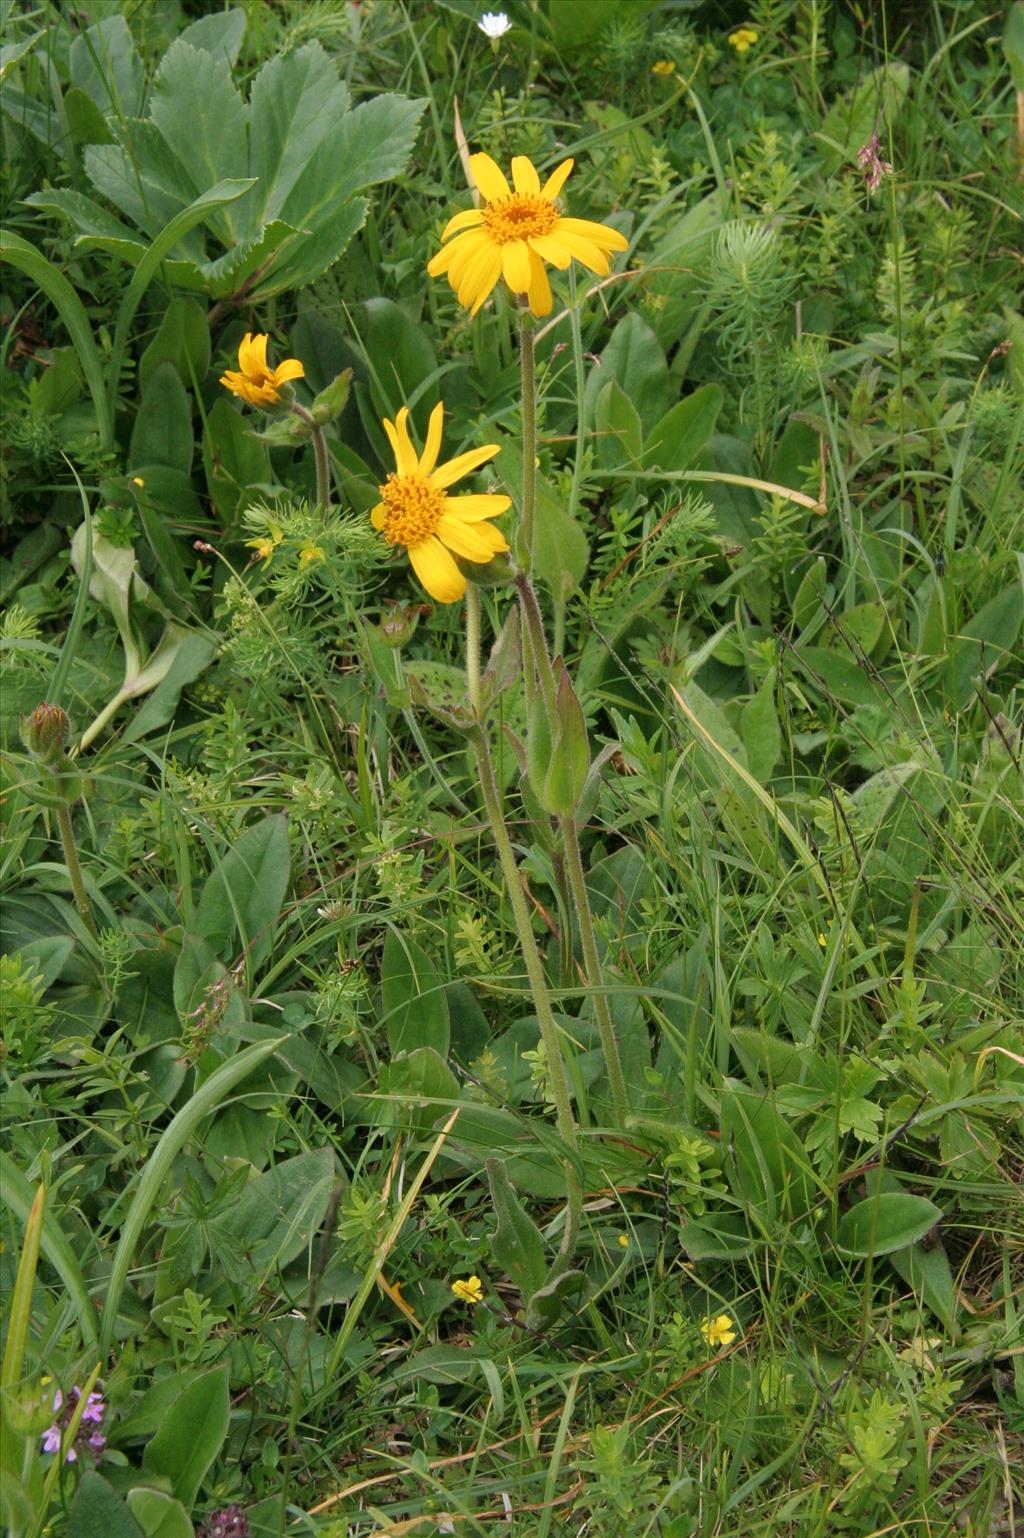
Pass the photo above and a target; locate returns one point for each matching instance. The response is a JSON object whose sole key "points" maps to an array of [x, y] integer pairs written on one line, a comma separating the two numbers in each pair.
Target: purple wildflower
{"points": [[229, 1522], [95, 1410]]}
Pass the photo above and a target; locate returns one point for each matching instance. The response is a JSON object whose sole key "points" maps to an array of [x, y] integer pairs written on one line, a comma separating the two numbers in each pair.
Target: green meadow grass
{"points": [[260, 1059]]}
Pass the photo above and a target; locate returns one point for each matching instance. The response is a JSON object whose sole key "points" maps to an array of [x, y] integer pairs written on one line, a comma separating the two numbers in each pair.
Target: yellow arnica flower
{"points": [[414, 511], [517, 230], [255, 382], [470, 1291], [742, 39], [719, 1331]]}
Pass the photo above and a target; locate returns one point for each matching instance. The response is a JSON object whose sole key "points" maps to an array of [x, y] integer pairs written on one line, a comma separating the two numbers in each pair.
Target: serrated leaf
{"points": [[103, 62], [292, 98], [198, 112], [221, 33]]}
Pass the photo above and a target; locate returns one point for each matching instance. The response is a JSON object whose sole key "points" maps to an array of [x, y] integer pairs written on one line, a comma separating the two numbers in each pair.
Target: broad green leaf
{"points": [[888, 1221], [23, 255], [762, 735], [292, 98], [985, 643], [201, 118], [560, 551], [617, 428], [158, 1514], [162, 434], [104, 64], [234, 460], [86, 123], [179, 658], [402, 356], [764, 1159], [18, 1195], [181, 1127], [1013, 43], [150, 186], [717, 1236], [807, 604], [221, 33], [929, 1273], [858, 630], [183, 340], [684, 431], [191, 1435], [420, 1082], [243, 896], [97, 1511], [634, 359], [278, 1214], [517, 1245], [837, 676], [548, 1302], [413, 998]]}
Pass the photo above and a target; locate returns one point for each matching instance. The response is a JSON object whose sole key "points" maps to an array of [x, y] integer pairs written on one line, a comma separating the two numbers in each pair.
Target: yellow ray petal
{"points": [[551, 249], [489, 177], [379, 516], [524, 176], [398, 436], [437, 571], [540, 289], [583, 250], [473, 541], [474, 246], [600, 234], [556, 181], [465, 244], [431, 449], [256, 355], [515, 264], [477, 505], [291, 368], [446, 475], [480, 276], [464, 221]]}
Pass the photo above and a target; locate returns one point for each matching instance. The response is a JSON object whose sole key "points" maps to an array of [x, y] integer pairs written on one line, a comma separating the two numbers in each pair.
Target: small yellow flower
{"points": [[742, 39], [624, 1241], [137, 480], [718, 1331], [470, 1291], [415, 512], [518, 229], [310, 553], [822, 941], [256, 382], [267, 543], [663, 67]]}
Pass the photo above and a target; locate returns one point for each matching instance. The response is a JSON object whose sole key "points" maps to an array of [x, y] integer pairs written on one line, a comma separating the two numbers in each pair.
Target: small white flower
{"points": [[494, 24]]}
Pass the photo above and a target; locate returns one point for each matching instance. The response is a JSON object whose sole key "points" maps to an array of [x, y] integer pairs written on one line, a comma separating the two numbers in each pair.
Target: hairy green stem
{"points": [[473, 647], [320, 455], [557, 1076], [71, 860], [592, 965], [528, 383]]}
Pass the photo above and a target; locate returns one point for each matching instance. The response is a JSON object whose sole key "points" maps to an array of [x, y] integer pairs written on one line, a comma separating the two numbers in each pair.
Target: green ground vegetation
{"points": [[265, 1010]]}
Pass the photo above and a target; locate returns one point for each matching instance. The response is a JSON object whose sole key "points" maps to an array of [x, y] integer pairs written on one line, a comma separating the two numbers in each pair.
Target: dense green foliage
{"points": [[780, 522]]}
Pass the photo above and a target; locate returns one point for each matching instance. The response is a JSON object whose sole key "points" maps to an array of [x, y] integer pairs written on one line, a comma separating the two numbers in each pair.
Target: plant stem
{"points": [[473, 647], [533, 626], [545, 1018], [67, 838], [323, 463], [109, 710], [528, 379], [592, 964]]}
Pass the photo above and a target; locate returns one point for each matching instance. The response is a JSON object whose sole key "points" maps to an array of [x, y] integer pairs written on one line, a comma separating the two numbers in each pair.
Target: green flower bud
{"points": [[45, 733], [399, 624], [31, 1406]]}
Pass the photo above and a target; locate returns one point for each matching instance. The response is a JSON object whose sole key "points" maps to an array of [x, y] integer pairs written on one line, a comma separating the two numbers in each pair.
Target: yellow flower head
{"points": [[663, 67], [310, 553], [254, 381], [742, 39], [517, 230], [470, 1291], [267, 543], [415, 512], [719, 1331]]}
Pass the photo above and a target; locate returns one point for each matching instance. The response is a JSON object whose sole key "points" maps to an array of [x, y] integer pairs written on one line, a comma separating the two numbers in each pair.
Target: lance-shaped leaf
{"points": [[516, 1244], [570, 750]]}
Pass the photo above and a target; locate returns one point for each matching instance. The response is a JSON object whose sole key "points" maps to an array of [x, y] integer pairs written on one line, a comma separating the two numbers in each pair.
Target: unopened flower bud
{"points": [[31, 1406], [45, 733], [399, 624]]}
